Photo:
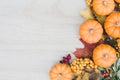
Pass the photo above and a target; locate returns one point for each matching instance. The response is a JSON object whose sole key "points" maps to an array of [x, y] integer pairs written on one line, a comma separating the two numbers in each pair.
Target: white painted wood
{"points": [[35, 34]]}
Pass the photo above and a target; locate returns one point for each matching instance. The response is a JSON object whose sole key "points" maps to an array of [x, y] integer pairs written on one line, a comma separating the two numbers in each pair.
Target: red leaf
{"points": [[87, 50]]}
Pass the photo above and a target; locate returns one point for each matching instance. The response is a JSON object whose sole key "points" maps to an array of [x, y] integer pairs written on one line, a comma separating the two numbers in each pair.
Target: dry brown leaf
{"points": [[87, 50]]}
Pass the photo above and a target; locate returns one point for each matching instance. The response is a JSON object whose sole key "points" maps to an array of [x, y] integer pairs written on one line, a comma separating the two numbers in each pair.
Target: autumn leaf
{"points": [[87, 50]]}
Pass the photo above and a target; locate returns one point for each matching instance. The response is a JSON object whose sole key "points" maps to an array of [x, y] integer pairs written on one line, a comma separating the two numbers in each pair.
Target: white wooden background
{"points": [[35, 34]]}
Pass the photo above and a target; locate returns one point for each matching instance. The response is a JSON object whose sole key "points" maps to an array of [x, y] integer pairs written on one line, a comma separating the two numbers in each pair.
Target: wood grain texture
{"points": [[35, 34]]}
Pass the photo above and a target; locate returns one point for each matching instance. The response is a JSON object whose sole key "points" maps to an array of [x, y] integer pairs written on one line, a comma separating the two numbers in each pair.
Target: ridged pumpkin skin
{"points": [[118, 1], [91, 31], [104, 55], [103, 7], [112, 25], [60, 72]]}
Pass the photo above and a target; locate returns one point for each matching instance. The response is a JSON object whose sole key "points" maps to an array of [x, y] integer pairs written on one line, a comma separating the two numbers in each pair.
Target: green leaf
{"points": [[103, 79], [118, 63], [111, 75], [101, 69], [118, 67], [118, 74], [107, 69], [114, 68]]}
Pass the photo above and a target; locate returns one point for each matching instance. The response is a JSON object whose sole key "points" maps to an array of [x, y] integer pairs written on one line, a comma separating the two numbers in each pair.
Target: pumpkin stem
{"points": [[118, 23], [104, 3], [105, 56], [91, 30], [60, 75]]}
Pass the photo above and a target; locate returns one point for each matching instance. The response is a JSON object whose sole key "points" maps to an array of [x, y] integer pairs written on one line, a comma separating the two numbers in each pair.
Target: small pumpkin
{"points": [[104, 55], [118, 1], [60, 72], [103, 7], [112, 25], [91, 31]]}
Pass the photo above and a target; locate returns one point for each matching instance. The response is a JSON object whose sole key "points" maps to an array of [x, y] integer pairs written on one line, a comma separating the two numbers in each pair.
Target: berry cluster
{"points": [[106, 74], [110, 41], [66, 59]]}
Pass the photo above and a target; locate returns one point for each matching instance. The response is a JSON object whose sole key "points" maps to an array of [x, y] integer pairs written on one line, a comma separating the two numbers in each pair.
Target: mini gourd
{"points": [[60, 72], [112, 25], [104, 55], [103, 7], [91, 31]]}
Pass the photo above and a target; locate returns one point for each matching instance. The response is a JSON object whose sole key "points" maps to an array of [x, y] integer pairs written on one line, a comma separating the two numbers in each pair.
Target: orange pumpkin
{"points": [[103, 7], [91, 31], [112, 25], [60, 72], [104, 55], [118, 1]]}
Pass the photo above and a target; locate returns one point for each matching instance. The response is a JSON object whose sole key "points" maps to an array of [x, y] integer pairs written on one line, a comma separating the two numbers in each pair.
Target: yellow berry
{"points": [[91, 62], [88, 67], [81, 59], [96, 70], [91, 66], [95, 66]]}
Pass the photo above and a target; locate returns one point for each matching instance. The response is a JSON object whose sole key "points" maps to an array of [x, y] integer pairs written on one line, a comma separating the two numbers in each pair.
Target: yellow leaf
{"points": [[87, 13]]}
